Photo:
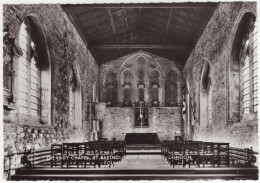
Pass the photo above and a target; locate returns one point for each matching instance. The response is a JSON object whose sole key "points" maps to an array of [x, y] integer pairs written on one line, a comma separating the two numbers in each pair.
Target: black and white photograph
{"points": [[130, 90]]}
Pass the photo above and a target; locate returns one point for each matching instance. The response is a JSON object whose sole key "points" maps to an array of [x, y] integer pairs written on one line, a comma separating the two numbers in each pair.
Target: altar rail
{"points": [[32, 157], [201, 153], [242, 156]]}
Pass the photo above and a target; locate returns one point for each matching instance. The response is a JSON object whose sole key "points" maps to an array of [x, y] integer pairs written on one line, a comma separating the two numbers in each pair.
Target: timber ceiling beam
{"points": [[142, 46], [140, 17], [111, 20], [149, 5], [168, 21], [106, 36], [126, 22]]}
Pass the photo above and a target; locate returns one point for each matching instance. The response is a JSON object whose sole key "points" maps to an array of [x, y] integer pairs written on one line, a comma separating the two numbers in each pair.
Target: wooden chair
{"points": [[119, 150], [56, 154], [209, 153], [164, 147], [177, 153], [223, 153], [105, 153], [91, 154], [168, 149], [72, 152], [193, 152]]}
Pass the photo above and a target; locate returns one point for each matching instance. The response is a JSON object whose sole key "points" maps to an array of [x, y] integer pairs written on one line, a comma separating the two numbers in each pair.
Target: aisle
{"points": [[142, 162]]}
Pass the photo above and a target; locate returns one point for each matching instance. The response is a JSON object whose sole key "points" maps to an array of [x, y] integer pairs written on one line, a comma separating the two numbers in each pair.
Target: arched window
{"points": [[206, 97], [154, 88], [72, 97], [243, 78], [255, 70], [33, 66], [141, 65], [209, 95], [248, 61], [171, 88], [128, 79], [109, 88], [94, 89], [75, 100], [246, 79]]}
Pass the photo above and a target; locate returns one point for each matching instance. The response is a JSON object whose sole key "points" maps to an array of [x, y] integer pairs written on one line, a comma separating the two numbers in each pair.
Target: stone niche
{"points": [[109, 88]]}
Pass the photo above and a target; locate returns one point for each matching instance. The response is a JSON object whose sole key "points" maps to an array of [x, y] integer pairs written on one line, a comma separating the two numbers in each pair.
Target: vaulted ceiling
{"points": [[113, 30]]}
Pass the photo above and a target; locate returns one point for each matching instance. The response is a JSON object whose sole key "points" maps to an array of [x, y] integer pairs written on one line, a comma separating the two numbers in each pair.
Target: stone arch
{"points": [[125, 70], [127, 80], [39, 52], [77, 121], [34, 19], [205, 96], [136, 56], [94, 92], [154, 82], [175, 69], [140, 69], [159, 72], [141, 78], [109, 87], [103, 73], [173, 88], [129, 59], [234, 88]]}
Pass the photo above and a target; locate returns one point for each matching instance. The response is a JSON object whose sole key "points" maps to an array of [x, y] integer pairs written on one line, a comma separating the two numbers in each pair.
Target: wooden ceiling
{"points": [[114, 30]]}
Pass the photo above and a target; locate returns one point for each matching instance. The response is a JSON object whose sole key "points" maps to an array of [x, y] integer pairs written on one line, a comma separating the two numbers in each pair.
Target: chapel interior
{"points": [[148, 91]]}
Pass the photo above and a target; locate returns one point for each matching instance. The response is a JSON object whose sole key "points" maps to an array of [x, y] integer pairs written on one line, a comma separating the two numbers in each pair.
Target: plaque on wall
{"points": [[141, 117]]}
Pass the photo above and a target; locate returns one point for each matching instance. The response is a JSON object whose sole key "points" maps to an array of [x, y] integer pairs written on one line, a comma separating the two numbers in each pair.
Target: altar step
{"points": [[143, 149], [41, 173]]}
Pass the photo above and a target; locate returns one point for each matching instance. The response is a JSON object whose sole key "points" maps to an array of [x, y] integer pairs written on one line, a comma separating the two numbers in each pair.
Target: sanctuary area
{"points": [[148, 91]]}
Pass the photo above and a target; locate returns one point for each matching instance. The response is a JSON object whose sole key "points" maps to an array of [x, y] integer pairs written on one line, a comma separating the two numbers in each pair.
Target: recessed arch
{"points": [[37, 95], [172, 87], [239, 103], [35, 27], [154, 82], [141, 58], [109, 87], [126, 70], [205, 96], [135, 56], [175, 69], [75, 97], [127, 77], [104, 72], [127, 80], [159, 72]]}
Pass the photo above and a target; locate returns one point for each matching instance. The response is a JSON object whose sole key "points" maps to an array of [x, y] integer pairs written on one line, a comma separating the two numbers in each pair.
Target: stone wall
{"points": [[120, 119], [130, 63], [165, 121], [65, 47], [215, 46]]}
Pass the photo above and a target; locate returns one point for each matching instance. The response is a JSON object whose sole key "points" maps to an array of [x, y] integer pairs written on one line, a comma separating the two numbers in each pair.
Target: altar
{"points": [[141, 138]]}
